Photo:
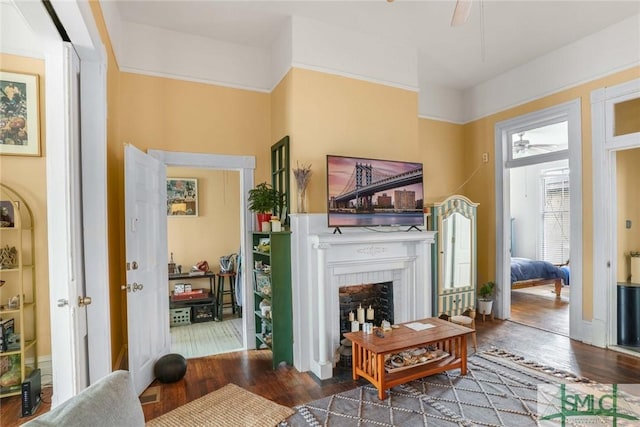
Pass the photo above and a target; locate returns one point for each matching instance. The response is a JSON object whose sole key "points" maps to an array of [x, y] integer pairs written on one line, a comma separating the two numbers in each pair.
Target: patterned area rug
{"points": [[500, 389]]}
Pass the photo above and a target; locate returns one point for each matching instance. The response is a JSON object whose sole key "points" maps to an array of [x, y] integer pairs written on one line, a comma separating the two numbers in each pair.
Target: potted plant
{"points": [[263, 200], [485, 302]]}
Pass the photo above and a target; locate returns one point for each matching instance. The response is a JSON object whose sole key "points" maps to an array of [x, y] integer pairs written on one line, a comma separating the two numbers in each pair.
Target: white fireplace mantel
{"points": [[323, 262]]}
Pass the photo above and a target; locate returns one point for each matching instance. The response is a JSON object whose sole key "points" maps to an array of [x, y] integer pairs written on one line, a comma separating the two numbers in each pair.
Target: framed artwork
{"points": [[19, 123], [7, 217], [182, 197]]}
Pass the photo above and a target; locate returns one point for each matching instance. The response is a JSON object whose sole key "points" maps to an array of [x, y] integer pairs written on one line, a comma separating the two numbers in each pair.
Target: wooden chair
{"points": [[468, 319]]}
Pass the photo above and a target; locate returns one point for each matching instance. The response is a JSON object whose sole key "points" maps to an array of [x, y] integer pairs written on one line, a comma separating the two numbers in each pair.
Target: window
{"points": [[541, 140], [554, 246], [280, 175]]}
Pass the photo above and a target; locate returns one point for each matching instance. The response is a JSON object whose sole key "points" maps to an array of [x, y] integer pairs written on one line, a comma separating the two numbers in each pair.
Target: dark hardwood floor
{"points": [[542, 312], [252, 370]]}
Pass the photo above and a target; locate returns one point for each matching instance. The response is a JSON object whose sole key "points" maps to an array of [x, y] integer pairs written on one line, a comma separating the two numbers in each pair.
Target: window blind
{"points": [[555, 216]]}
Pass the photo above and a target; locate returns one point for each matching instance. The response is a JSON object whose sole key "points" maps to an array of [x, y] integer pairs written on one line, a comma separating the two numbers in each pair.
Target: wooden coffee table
{"points": [[369, 351]]}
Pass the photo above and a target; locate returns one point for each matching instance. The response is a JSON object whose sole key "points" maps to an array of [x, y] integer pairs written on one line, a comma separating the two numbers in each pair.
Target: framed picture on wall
{"points": [[7, 217], [182, 197], [19, 122]]}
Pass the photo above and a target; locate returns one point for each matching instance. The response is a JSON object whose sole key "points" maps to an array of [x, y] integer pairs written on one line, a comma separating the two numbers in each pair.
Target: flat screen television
{"points": [[365, 192]]}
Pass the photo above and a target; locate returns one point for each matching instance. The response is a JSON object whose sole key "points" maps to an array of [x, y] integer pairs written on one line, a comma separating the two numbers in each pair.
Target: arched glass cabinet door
{"points": [[455, 260]]}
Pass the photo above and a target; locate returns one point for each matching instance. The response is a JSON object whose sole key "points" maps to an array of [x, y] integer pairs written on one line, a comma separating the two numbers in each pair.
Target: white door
{"points": [[146, 258], [69, 343], [78, 297]]}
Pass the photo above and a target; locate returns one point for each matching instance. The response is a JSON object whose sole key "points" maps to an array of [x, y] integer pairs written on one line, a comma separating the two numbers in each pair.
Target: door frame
{"points": [[77, 19], [572, 112], [246, 166], [605, 234]]}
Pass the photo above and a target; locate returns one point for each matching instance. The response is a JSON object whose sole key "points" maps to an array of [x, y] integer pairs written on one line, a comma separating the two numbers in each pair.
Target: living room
{"points": [[323, 112]]}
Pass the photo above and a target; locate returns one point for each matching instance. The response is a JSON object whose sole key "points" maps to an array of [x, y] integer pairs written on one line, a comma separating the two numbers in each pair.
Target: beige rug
{"points": [[230, 406]]}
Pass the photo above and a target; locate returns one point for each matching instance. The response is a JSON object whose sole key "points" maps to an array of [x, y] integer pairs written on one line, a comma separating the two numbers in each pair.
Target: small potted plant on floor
{"points": [[485, 302], [264, 200]]}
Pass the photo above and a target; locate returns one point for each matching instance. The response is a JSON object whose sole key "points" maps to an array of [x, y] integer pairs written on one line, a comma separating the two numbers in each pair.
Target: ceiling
{"points": [[513, 32]]}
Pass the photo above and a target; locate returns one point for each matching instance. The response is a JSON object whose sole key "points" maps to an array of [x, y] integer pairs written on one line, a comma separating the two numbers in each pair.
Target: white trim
{"points": [[571, 112], [538, 158], [186, 78], [441, 119], [605, 145], [245, 165]]}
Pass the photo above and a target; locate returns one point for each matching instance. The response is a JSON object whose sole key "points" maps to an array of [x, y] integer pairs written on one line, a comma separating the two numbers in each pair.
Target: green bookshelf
{"points": [[272, 289]]}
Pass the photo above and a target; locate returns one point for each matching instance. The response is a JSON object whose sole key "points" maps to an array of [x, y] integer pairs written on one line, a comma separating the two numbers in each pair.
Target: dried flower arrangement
{"points": [[302, 174]]}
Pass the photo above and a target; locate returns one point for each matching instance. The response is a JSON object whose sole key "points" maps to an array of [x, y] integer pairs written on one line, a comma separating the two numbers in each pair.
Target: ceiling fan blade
{"points": [[461, 12]]}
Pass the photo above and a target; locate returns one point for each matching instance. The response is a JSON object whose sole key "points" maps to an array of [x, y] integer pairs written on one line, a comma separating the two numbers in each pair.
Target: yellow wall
{"points": [[441, 148], [627, 179], [479, 138], [330, 114], [627, 117], [27, 176], [216, 230]]}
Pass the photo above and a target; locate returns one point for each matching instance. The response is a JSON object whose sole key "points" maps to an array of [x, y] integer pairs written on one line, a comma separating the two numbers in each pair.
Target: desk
{"points": [[197, 303], [209, 275]]}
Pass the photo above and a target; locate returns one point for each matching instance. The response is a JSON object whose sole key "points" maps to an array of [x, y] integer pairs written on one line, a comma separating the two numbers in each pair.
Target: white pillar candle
{"points": [[360, 314], [355, 326], [266, 226], [369, 313], [351, 316]]}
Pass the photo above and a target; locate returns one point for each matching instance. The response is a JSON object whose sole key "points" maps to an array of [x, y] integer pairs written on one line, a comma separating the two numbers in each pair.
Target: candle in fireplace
{"points": [[351, 316], [355, 326], [360, 311], [369, 313]]}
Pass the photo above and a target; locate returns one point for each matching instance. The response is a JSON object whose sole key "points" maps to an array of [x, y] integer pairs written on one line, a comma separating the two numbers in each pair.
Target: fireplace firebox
{"points": [[377, 296]]}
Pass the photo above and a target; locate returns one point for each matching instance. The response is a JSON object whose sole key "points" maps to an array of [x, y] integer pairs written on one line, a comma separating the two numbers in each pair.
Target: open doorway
{"points": [[203, 225], [242, 167], [549, 140], [616, 133], [628, 248], [540, 241]]}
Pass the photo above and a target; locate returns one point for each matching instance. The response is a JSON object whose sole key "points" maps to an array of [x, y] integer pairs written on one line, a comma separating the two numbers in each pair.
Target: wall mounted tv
{"points": [[369, 192]]}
